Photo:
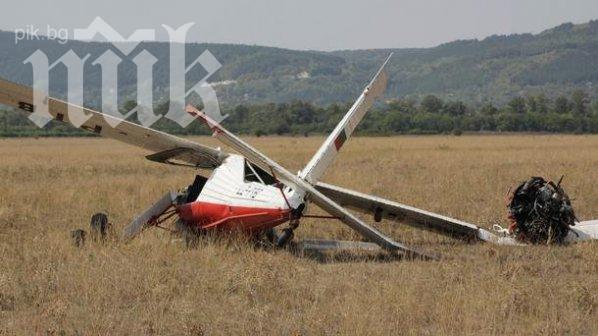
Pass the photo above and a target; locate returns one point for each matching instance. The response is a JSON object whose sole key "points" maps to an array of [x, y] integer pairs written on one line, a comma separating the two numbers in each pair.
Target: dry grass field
{"points": [[155, 286]]}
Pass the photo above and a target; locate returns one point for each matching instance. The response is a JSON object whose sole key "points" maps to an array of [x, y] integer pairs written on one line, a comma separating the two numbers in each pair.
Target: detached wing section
{"points": [[167, 147], [421, 219]]}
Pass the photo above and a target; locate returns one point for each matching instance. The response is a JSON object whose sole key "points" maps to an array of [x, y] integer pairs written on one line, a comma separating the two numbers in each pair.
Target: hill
{"points": [[496, 69]]}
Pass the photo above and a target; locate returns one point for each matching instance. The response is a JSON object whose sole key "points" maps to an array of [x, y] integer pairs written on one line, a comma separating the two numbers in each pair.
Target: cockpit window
{"points": [[254, 173]]}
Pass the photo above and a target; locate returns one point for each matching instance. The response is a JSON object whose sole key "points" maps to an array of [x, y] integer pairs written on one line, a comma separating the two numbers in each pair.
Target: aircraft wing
{"points": [[283, 175], [421, 219], [166, 148], [344, 129]]}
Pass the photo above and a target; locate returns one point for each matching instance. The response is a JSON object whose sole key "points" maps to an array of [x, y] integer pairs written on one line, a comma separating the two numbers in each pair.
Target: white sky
{"points": [[310, 24]]}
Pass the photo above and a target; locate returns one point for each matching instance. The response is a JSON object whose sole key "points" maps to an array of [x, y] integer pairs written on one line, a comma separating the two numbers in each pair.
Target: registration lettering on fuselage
{"points": [[249, 190]]}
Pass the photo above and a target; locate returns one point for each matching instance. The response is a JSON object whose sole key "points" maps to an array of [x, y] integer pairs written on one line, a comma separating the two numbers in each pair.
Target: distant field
{"points": [[154, 285]]}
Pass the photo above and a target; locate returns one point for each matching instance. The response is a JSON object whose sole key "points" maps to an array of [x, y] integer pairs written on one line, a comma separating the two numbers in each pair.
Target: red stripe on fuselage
{"points": [[206, 215]]}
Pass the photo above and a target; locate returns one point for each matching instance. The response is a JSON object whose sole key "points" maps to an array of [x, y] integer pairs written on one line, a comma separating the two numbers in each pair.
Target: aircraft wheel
{"points": [[286, 236], [99, 226]]}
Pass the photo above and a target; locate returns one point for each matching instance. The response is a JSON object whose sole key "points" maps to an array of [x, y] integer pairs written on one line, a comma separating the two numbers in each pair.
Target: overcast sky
{"points": [[310, 24]]}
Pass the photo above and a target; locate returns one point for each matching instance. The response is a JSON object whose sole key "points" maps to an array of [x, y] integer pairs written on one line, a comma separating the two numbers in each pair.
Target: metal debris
{"points": [[540, 212]]}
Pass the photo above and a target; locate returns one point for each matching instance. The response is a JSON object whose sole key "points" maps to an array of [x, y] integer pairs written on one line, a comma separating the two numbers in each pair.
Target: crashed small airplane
{"points": [[254, 194]]}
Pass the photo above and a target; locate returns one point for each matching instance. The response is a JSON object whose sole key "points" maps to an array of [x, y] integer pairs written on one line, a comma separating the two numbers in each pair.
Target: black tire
{"points": [[286, 236], [99, 226]]}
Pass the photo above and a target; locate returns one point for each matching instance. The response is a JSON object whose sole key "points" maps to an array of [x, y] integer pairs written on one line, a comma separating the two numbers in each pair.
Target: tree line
{"points": [[575, 113]]}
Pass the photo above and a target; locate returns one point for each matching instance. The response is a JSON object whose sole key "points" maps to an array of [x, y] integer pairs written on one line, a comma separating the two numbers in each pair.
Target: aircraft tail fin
{"points": [[342, 132]]}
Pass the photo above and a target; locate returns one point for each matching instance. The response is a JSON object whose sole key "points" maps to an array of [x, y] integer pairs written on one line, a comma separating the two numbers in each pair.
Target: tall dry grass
{"points": [[156, 286]]}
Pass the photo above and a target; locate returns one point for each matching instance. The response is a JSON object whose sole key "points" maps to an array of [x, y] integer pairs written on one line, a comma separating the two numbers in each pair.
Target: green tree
{"points": [[241, 113], [4, 115], [580, 102], [444, 123], [517, 105], [403, 105], [488, 110], [561, 105], [396, 122], [541, 104], [431, 104], [302, 112], [532, 104], [457, 108], [425, 123], [593, 123], [506, 122]]}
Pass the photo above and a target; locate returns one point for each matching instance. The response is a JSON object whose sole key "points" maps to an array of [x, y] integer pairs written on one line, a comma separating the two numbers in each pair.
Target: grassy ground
{"points": [[156, 286]]}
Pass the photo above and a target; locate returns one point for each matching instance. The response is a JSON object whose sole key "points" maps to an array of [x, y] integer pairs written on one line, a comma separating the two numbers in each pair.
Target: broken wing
{"points": [[165, 146]]}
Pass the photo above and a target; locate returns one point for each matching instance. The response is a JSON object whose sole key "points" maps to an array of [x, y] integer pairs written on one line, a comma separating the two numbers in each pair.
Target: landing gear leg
{"points": [[287, 234]]}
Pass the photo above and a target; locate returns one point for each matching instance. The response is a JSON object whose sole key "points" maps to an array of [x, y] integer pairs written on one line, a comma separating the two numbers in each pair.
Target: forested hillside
{"points": [[496, 69], [542, 82]]}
